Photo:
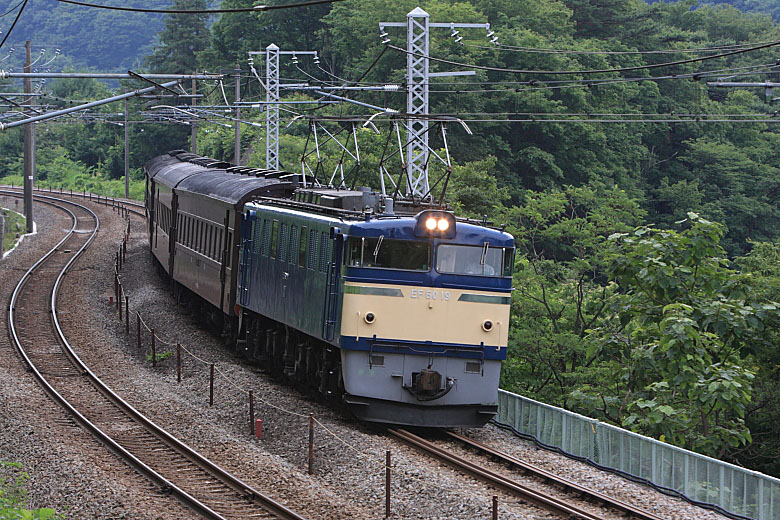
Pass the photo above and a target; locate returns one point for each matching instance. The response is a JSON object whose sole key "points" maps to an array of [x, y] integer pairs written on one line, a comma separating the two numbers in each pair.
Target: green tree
{"points": [[182, 38], [680, 346], [561, 291], [762, 264]]}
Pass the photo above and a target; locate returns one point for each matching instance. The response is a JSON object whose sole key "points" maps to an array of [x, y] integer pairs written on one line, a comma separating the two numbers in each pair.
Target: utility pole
{"points": [[2, 233], [127, 151], [237, 144], [29, 145], [418, 76], [194, 138]]}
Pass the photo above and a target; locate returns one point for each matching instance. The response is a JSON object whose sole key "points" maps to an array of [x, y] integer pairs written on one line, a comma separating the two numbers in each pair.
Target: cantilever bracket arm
{"points": [[163, 87]]}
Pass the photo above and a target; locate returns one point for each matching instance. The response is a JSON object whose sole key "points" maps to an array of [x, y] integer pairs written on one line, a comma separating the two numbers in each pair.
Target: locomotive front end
{"points": [[424, 323]]}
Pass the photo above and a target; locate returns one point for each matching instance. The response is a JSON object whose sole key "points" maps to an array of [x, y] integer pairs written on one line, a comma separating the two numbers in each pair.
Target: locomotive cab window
{"points": [[474, 260], [383, 253]]}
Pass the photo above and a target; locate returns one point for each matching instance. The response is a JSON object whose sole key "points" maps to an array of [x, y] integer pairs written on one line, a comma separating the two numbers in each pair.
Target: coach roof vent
{"points": [[240, 170], [217, 164]]}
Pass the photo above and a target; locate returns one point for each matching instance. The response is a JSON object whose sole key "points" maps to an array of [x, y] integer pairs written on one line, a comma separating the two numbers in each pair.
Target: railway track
{"points": [[532, 495], [35, 329], [130, 206]]}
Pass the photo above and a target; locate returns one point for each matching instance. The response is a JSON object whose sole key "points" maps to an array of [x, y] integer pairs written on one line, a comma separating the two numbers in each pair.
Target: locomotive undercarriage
{"points": [[287, 354], [305, 362]]}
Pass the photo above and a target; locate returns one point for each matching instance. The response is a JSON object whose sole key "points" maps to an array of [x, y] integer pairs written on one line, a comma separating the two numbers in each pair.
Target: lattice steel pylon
{"points": [[272, 100], [272, 110], [418, 78], [417, 43]]}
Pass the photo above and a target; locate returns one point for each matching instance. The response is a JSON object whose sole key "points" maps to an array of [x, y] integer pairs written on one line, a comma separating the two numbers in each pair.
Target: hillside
{"points": [[103, 40], [770, 7]]}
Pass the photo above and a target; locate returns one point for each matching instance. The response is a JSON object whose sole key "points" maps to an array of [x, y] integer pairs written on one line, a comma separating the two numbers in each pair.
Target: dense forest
{"points": [[645, 202]]}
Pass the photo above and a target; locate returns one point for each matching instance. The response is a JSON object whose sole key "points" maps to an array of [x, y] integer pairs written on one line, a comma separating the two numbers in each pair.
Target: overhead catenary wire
{"points": [[540, 50], [591, 71], [257, 8], [11, 10], [18, 15]]}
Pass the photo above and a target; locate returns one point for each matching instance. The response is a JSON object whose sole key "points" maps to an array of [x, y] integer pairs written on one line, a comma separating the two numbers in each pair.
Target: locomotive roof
{"points": [[209, 177], [403, 228], [395, 226]]}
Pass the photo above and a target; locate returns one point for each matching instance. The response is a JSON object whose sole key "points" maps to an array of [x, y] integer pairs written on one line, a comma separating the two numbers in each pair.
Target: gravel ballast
{"points": [[69, 470]]}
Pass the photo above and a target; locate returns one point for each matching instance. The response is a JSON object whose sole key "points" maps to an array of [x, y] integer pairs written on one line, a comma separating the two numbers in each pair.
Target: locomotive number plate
{"points": [[431, 294]]}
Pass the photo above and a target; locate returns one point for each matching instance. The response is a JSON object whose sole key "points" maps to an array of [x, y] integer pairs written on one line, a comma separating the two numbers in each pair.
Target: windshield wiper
{"points": [[485, 247], [378, 245]]}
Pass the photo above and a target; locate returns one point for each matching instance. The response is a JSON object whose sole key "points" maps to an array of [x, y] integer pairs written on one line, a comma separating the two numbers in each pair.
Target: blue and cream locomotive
{"points": [[404, 317]]}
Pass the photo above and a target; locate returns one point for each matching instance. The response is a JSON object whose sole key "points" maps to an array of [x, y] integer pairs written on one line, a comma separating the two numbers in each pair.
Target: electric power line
{"points": [[595, 71], [11, 10], [257, 8], [18, 15], [538, 50]]}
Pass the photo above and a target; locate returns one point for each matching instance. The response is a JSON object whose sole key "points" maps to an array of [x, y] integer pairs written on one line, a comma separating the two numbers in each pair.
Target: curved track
{"points": [[544, 500], [35, 329], [127, 205]]}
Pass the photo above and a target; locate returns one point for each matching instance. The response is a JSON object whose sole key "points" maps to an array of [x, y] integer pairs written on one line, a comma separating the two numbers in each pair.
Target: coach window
{"points": [[213, 243], [302, 247], [212, 240], [275, 239], [214, 247], [206, 238]]}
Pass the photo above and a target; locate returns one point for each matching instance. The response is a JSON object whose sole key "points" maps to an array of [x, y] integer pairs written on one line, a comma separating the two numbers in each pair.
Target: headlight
{"points": [[435, 224]]}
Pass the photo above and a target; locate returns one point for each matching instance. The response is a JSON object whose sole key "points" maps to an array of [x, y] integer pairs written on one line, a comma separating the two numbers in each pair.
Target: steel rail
{"points": [[628, 509], [99, 199], [538, 498], [56, 396], [225, 477]]}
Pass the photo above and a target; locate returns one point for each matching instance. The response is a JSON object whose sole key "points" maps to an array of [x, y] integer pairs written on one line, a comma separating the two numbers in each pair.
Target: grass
{"points": [[14, 228], [161, 356], [13, 495]]}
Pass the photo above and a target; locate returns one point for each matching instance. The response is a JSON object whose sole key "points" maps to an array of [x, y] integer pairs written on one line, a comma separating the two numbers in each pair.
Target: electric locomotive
{"points": [[401, 315]]}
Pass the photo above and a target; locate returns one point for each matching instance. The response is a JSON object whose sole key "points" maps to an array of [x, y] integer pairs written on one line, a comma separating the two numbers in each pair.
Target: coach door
{"points": [[248, 225]]}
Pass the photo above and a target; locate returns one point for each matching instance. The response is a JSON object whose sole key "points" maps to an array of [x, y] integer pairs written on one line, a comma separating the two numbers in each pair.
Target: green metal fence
{"points": [[701, 479]]}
